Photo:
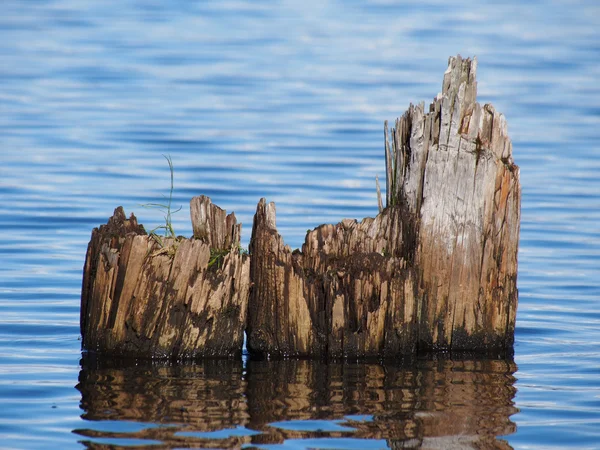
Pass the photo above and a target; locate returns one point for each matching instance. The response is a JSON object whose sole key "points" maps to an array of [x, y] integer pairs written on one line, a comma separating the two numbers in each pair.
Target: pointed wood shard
{"points": [[388, 165], [212, 225], [379, 202]]}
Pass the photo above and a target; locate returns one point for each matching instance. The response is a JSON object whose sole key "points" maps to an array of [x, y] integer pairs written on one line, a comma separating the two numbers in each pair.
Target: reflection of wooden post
{"points": [[150, 297], [436, 269], [208, 395], [468, 403], [432, 403]]}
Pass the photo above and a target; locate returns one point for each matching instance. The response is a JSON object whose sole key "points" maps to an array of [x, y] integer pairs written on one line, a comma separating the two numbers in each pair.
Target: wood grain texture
{"points": [[146, 297], [460, 183], [344, 295], [435, 270]]}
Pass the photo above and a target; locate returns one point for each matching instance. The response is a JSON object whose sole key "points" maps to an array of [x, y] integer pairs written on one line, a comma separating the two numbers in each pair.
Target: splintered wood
{"points": [[159, 297], [435, 270], [347, 294], [458, 179]]}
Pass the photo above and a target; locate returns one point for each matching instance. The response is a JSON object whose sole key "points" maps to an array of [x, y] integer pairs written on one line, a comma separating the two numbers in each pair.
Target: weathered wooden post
{"points": [[435, 270], [453, 170], [347, 294], [145, 296]]}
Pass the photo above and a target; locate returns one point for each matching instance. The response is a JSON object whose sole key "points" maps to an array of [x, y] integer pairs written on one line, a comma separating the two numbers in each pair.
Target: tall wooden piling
{"points": [[459, 182], [436, 270]]}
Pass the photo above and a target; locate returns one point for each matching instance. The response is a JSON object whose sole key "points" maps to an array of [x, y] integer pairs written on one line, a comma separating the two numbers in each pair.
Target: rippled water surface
{"points": [[286, 100]]}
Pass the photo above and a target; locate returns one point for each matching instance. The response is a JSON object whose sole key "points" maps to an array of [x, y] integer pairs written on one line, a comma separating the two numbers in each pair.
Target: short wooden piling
{"points": [[148, 296]]}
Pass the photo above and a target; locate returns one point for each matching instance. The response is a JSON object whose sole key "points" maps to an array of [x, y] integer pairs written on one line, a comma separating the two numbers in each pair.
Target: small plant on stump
{"points": [[216, 258], [169, 232], [218, 255]]}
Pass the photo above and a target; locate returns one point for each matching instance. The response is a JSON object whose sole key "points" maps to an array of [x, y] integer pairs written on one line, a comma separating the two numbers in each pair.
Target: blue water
{"points": [[286, 100]]}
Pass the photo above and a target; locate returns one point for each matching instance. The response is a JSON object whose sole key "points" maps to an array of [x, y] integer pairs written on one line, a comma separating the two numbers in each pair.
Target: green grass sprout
{"points": [[167, 227]]}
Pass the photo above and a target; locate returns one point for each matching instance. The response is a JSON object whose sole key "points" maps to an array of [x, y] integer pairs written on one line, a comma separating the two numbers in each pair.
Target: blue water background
{"points": [[284, 100]]}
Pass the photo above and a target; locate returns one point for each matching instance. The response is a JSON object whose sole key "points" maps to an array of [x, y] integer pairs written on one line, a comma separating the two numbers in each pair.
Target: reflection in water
{"points": [[430, 403], [206, 396], [216, 403]]}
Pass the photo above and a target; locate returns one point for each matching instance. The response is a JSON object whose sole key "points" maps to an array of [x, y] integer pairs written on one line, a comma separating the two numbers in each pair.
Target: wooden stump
{"points": [[455, 174], [145, 296], [435, 270], [344, 295]]}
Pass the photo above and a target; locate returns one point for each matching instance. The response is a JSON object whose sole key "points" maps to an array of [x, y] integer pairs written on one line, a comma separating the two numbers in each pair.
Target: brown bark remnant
{"points": [[149, 297], [435, 270]]}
